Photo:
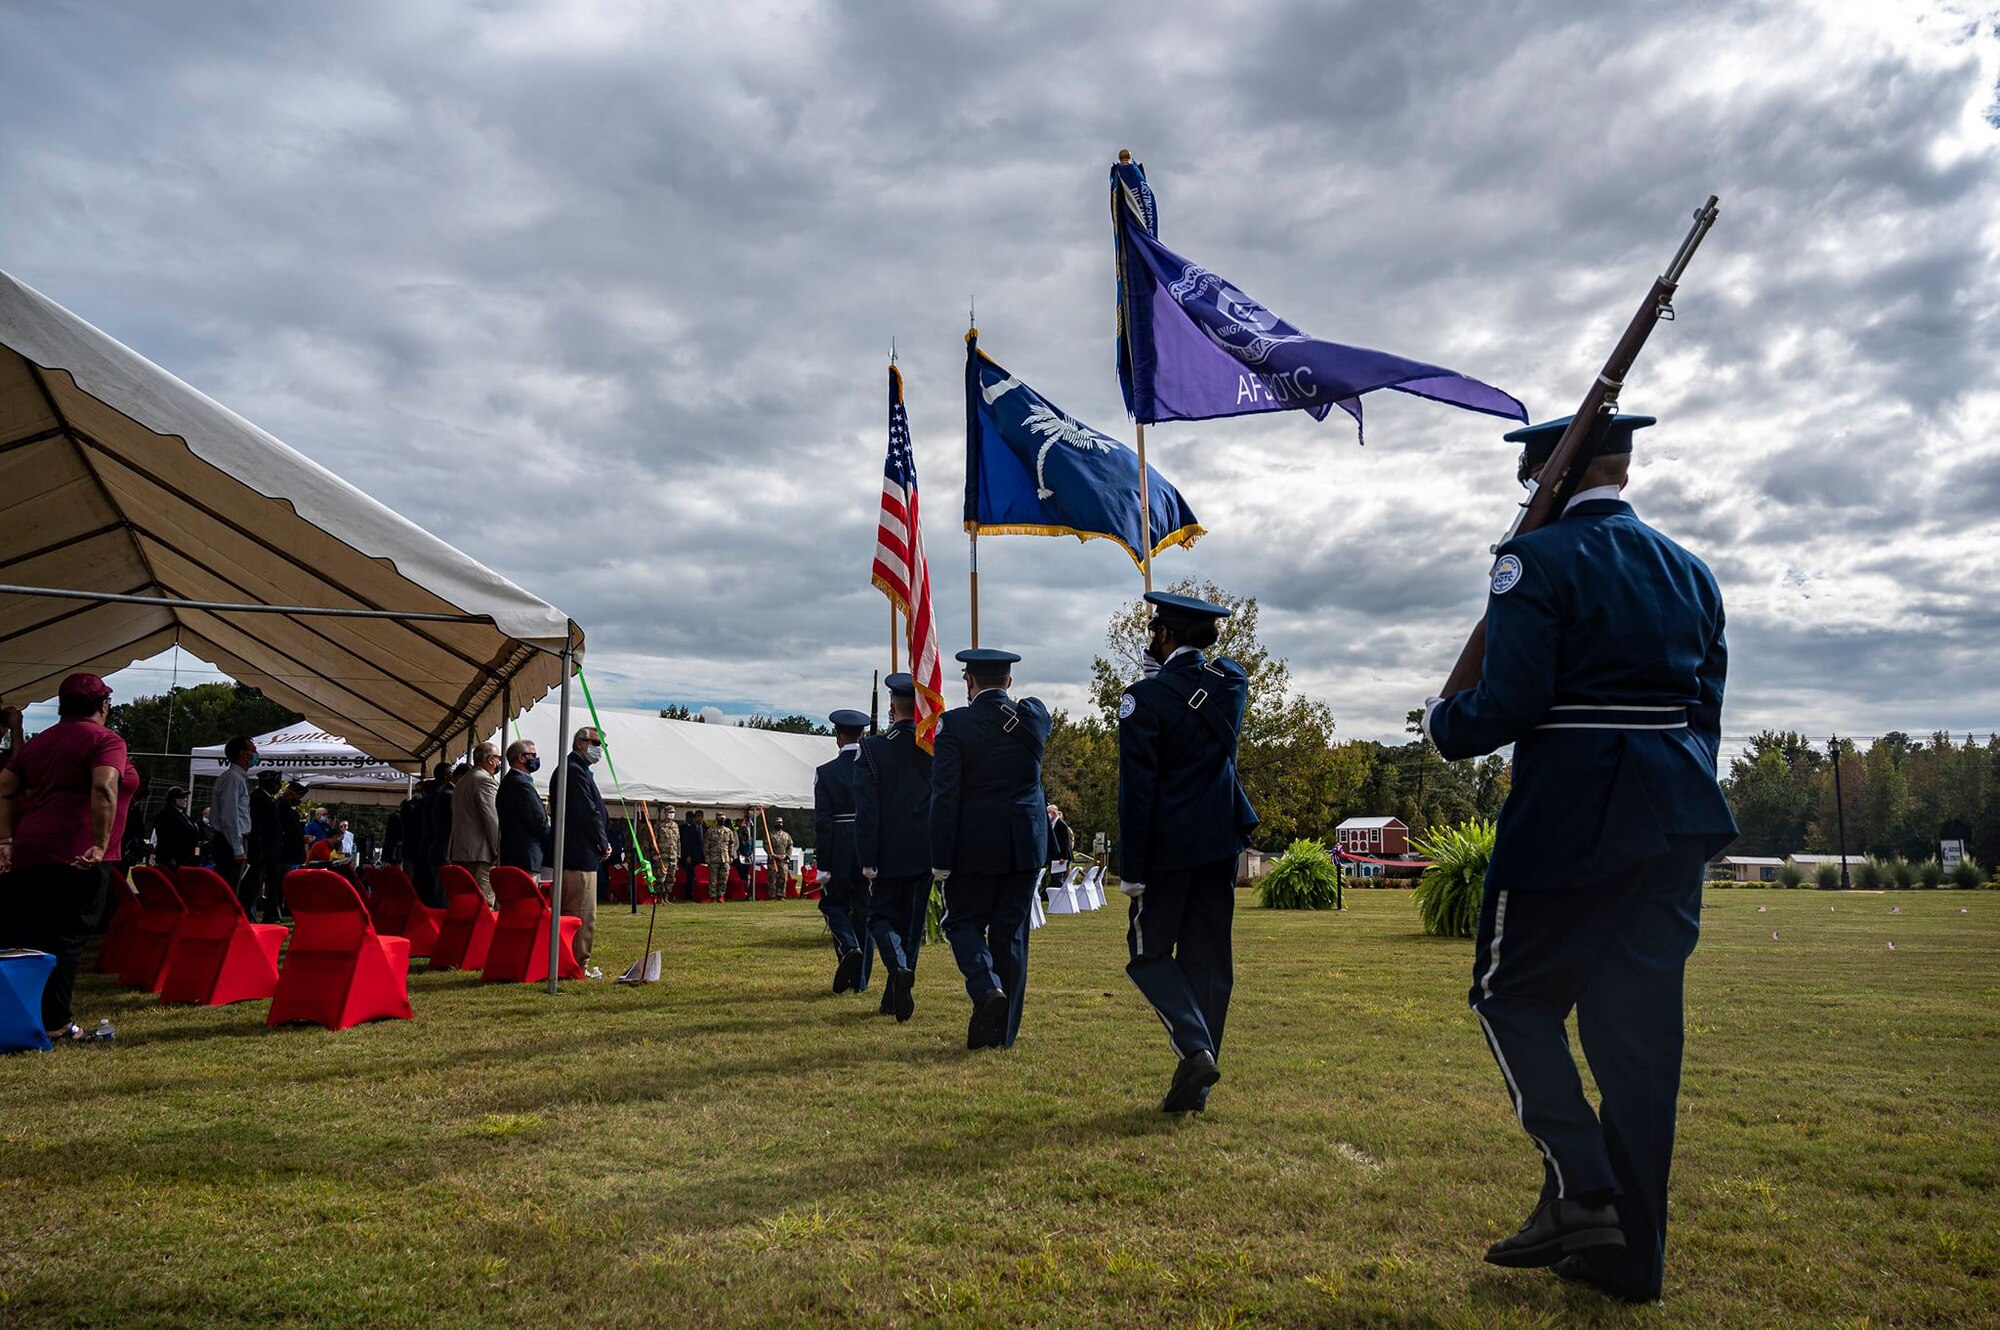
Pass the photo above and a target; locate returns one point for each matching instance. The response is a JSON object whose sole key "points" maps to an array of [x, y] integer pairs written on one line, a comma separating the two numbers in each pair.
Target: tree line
{"points": [[1900, 795]]}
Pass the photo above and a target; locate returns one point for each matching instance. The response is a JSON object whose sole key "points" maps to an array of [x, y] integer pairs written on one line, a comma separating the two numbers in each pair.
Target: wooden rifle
{"points": [[1561, 472]]}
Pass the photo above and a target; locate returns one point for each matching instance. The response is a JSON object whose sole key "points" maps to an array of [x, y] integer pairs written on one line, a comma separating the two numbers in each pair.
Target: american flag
{"points": [[901, 570]]}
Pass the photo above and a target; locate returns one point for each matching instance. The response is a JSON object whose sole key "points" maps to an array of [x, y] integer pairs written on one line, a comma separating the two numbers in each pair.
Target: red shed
{"points": [[1374, 837]]}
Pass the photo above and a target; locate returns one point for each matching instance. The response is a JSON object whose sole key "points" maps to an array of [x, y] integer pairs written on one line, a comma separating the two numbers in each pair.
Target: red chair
{"points": [[338, 971], [698, 883], [737, 890], [112, 951], [809, 887], [467, 934], [149, 946], [618, 884], [220, 956], [763, 892], [394, 906], [520, 950]]}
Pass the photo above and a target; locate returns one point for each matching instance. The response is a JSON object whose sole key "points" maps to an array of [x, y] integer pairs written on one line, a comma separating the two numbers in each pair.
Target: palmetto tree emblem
{"points": [[1055, 428]]}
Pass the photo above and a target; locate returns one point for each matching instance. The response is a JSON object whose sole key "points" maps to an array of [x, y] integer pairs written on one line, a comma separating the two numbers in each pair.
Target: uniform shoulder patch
{"points": [[1506, 574], [1126, 706]]}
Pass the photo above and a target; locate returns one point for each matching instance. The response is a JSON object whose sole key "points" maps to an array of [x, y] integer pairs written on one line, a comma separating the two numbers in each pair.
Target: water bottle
{"points": [[104, 1030]]}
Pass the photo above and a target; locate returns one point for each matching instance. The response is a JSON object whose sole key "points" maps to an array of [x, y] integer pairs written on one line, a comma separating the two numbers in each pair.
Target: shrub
{"points": [[1827, 877], [1791, 875], [1448, 893], [1966, 874], [1929, 874], [1902, 874], [1302, 879], [1870, 875]]}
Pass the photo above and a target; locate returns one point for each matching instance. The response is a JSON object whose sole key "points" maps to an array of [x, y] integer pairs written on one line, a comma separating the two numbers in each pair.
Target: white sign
{"points": [[1950, 852]]}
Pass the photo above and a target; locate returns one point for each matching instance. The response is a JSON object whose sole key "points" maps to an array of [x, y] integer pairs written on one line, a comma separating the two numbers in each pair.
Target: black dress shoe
{"points": [[1556, 1229], [989, 1021], [1593, 1272], [848, 973], [902, 986], [1196, 1072]]}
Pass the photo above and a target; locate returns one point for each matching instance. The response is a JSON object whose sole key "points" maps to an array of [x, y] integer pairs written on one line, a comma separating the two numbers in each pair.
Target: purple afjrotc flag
{"points": [[1193, 347]]}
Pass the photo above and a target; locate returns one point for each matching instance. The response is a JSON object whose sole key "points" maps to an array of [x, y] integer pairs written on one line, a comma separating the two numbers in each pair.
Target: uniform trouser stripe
{"points": [[1493, 1039]]}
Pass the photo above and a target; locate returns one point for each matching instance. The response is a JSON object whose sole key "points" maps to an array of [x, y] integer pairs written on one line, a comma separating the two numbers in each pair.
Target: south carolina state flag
{"points": [[1032, 469]]}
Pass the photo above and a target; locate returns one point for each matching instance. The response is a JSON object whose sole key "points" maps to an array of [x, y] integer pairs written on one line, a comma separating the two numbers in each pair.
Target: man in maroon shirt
{"points": [[63, 801]]}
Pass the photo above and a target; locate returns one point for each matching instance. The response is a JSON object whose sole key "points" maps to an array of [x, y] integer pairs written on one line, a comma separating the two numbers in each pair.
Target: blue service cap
{"points": [[1186, 606], [847, 718], [986, 659], [902, 685], [1538, 442]]}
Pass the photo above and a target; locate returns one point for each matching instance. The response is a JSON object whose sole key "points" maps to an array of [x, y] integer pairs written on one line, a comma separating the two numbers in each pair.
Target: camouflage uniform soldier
{"points": [[721, 847], [781, 859], [667, 861]]}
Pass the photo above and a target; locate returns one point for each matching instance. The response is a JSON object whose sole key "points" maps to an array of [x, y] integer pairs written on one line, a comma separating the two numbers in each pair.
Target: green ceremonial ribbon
{"points": [[642, 868]]}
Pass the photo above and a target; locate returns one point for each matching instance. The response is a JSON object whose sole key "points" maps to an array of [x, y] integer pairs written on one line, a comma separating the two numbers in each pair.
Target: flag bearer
{"points": [[844, 896], [892, 816], [1604, 668], [1182, 817], [989, 837]]}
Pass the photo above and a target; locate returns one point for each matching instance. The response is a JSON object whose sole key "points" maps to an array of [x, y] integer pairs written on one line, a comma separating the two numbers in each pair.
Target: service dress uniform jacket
{"points": [[892, 835], [843, 895], [1182, 819], [989, 829], [1604, 667]]}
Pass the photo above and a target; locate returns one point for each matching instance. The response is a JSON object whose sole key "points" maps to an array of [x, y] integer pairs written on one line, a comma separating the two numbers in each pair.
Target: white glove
{"points": [[869, 873], [1431, 704], [1133, 889]]}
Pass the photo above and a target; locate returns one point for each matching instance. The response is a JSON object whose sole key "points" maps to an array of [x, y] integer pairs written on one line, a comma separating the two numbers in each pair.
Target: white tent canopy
{"points": [[118, 479], [333, 767], [685, 763]]}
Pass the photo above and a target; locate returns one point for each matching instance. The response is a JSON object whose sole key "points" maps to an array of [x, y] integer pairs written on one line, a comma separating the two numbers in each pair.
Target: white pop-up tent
{"points": [[335, 768], [685, 763], [136, 513]]}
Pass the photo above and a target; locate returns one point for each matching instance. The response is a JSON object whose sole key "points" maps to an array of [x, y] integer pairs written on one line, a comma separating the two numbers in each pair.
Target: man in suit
{"points": [[524, 823], [262, 845], [989, 838], [1604, 667], [586, 838], [1182, 817], [475, 818], [844, 891], [437, 832], [892, 814], [694, 846]]}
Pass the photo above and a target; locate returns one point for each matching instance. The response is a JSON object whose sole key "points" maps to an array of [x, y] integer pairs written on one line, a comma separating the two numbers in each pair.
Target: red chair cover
{"points": [[467, 934], [618, 883], [220, 956], [149, 946], [398, 912], [338, 971], [736, 890], [112, 951], [763, 884], [698, 883], [520, 950], [809, 886]]}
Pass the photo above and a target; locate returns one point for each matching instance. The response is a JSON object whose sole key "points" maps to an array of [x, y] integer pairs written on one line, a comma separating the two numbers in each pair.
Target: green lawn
{"points": [[739, 1146]]}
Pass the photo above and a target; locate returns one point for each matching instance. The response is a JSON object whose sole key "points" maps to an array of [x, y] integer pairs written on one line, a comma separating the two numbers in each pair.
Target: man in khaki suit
{"points": [[475, 818]]}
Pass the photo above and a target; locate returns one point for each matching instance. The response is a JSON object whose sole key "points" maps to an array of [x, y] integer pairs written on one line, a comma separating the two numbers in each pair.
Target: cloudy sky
{"points": [[602, 292]]}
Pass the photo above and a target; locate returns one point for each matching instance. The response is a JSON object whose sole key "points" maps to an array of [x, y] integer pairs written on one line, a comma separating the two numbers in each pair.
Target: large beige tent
{"points": [[122, 488], [685, 763]]}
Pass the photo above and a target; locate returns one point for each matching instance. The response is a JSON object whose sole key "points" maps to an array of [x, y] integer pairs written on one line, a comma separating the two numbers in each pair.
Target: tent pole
{"points": [[558, 786]]}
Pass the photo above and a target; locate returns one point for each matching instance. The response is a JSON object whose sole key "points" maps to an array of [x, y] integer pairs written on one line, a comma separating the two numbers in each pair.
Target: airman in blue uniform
{"points": [[844, 896], [892, 835], [1604, 667], [989, 838], [1182, 817]]}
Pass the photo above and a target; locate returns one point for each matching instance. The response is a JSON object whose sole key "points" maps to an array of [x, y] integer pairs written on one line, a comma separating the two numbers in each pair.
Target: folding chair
{"points": [[125, 913], [467, 934], [149, 946], [520, 949], [398, 912], [219, 956], [338, 971]]}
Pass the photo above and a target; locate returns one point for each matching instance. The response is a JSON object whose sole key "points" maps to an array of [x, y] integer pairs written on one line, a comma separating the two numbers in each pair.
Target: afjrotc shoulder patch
{"points": [[1506, 574], [1126, 706]]}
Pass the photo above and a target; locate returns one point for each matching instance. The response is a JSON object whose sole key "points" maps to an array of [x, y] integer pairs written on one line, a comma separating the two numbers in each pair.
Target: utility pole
{"points": [[1839, 809]]}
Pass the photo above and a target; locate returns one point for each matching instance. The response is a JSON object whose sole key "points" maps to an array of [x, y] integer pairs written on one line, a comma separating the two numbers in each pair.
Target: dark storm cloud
{"points": [[602, 293]]}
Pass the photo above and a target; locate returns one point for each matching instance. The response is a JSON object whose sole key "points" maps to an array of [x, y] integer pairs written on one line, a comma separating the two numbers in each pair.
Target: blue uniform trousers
{"points": [[896, 912], [1616, 954], [1178, 937], [986, 922], [845, 905]]}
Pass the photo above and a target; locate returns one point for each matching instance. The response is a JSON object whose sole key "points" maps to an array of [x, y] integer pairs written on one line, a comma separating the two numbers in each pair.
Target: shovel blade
{"points": [[646, 971]]}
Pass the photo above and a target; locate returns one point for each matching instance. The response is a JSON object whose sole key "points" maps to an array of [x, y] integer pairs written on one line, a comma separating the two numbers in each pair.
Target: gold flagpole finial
{"points": [[1124, 155]]}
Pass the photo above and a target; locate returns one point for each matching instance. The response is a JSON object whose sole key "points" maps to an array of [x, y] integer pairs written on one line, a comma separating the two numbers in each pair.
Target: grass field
{"points": [[739, 1146]]}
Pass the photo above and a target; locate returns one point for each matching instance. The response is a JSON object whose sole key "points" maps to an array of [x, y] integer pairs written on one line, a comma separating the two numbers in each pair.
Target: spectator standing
{"points": [[262, 841], [524, 823], [64, 797], [1061, 843], [318, 826], [344, 838], [437, 833], [475, 820], [229, 813], [586, 838], [176, 838], [292, 848], [694, 846]]}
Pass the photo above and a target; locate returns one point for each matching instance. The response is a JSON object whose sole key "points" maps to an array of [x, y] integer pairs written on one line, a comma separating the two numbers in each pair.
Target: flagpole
{"points": [[893, 666], [1145, 510], [975, 589]]}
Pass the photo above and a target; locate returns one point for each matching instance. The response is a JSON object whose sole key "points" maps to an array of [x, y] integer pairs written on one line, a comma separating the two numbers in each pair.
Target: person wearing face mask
{"points": [[844, 890], [475, 818], [176, 838], [1182, 817], [989, 838], [586, 838], [524, 823]]}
